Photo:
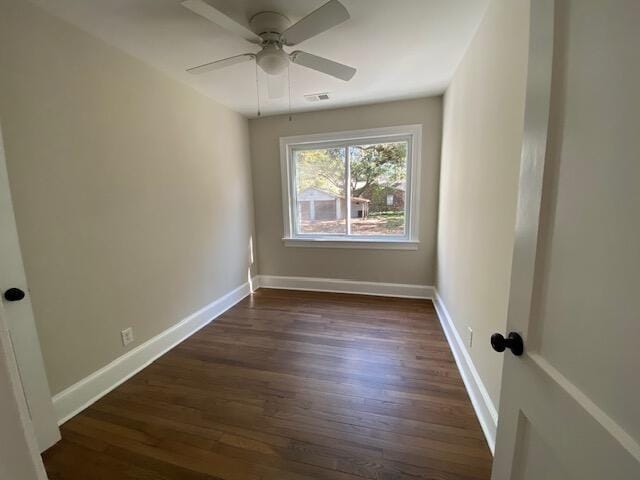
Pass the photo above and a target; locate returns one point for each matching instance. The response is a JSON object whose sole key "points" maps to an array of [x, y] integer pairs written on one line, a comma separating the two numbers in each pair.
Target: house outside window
{"points": [[352, 189]]}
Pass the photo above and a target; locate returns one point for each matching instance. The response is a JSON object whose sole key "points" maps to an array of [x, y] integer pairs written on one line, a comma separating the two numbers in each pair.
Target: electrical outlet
{"points": [[469, 336], [127, 336]]}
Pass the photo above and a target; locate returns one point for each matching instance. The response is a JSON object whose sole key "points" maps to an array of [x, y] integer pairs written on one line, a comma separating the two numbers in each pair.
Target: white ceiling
{"points": [[401, 48]]}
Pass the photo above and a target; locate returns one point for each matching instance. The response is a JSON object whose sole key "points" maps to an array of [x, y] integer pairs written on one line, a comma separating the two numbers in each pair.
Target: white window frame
{"points": [[408, 241]]}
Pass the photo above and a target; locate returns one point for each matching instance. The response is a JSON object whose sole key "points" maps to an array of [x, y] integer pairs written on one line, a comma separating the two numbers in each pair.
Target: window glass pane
{"points": [[320, 191], [378, 188]]}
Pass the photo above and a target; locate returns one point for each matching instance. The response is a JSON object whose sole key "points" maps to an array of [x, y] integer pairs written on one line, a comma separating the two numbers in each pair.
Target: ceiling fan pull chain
{"points": [[289, 82], [257, 89]]}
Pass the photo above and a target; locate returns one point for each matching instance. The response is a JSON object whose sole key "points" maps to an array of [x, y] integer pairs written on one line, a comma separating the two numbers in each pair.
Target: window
{"points": [[352, 189]]}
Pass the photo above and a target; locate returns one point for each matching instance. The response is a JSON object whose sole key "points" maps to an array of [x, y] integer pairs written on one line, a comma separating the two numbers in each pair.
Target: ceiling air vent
{"points": [[317, 97]]}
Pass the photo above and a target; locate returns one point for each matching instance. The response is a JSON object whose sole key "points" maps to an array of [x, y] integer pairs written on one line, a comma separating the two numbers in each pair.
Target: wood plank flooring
{"points": [[288, 385]]}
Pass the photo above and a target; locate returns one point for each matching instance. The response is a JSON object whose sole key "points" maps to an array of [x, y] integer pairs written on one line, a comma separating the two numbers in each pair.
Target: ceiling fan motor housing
{"points": [[268, 24]]}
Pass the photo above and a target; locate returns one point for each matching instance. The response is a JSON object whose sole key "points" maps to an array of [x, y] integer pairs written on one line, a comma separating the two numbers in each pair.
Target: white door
{"points": [[19, 457], [570, 405], [19, 318]]}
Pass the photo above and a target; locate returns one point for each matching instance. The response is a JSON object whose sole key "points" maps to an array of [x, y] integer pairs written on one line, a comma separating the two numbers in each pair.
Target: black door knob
{"points": [[13, 295], [513, 342]]}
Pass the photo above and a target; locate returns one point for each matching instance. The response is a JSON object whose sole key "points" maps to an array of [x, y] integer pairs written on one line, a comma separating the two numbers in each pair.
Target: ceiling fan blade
{"points": [[324, 65], [218, 64], [276, 86], [216, 16], [328, 15]]}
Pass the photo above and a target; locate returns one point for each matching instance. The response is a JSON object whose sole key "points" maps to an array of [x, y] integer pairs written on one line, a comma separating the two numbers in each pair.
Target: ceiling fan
{"points": [[272, 31]]}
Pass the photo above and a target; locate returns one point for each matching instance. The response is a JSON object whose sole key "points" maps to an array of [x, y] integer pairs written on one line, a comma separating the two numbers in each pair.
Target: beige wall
{"points": [[132, 192], [395, 266], [482, 135]]}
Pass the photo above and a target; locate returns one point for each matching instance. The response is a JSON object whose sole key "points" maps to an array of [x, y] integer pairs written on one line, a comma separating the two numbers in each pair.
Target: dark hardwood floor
{"points": [[288, 385]]}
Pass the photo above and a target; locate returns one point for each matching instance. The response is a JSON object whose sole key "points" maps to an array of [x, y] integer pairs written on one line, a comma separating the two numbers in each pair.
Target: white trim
{"points": [[350, 135], [345, 286], [480, 399], [376, 244], [9, 364], [412, 200], [82, 394], [579, 397]]}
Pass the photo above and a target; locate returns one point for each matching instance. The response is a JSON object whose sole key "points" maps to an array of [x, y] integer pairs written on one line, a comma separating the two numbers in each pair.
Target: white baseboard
{"points": [[344, 286], [79, 396], [82, 394], [482, 403]]}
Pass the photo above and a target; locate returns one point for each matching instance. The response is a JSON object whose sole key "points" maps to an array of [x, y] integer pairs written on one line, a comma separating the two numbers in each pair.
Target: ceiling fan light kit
{"points": [[272, 59], [272, 31]]}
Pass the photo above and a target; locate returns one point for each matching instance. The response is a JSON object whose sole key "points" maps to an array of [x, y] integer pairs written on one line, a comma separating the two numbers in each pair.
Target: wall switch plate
{"points": [[127, 336], [469, 336]]}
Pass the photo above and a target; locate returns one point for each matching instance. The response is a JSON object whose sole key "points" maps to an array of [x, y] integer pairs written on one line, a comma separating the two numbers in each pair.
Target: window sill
{"points": [[375, 244]]}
